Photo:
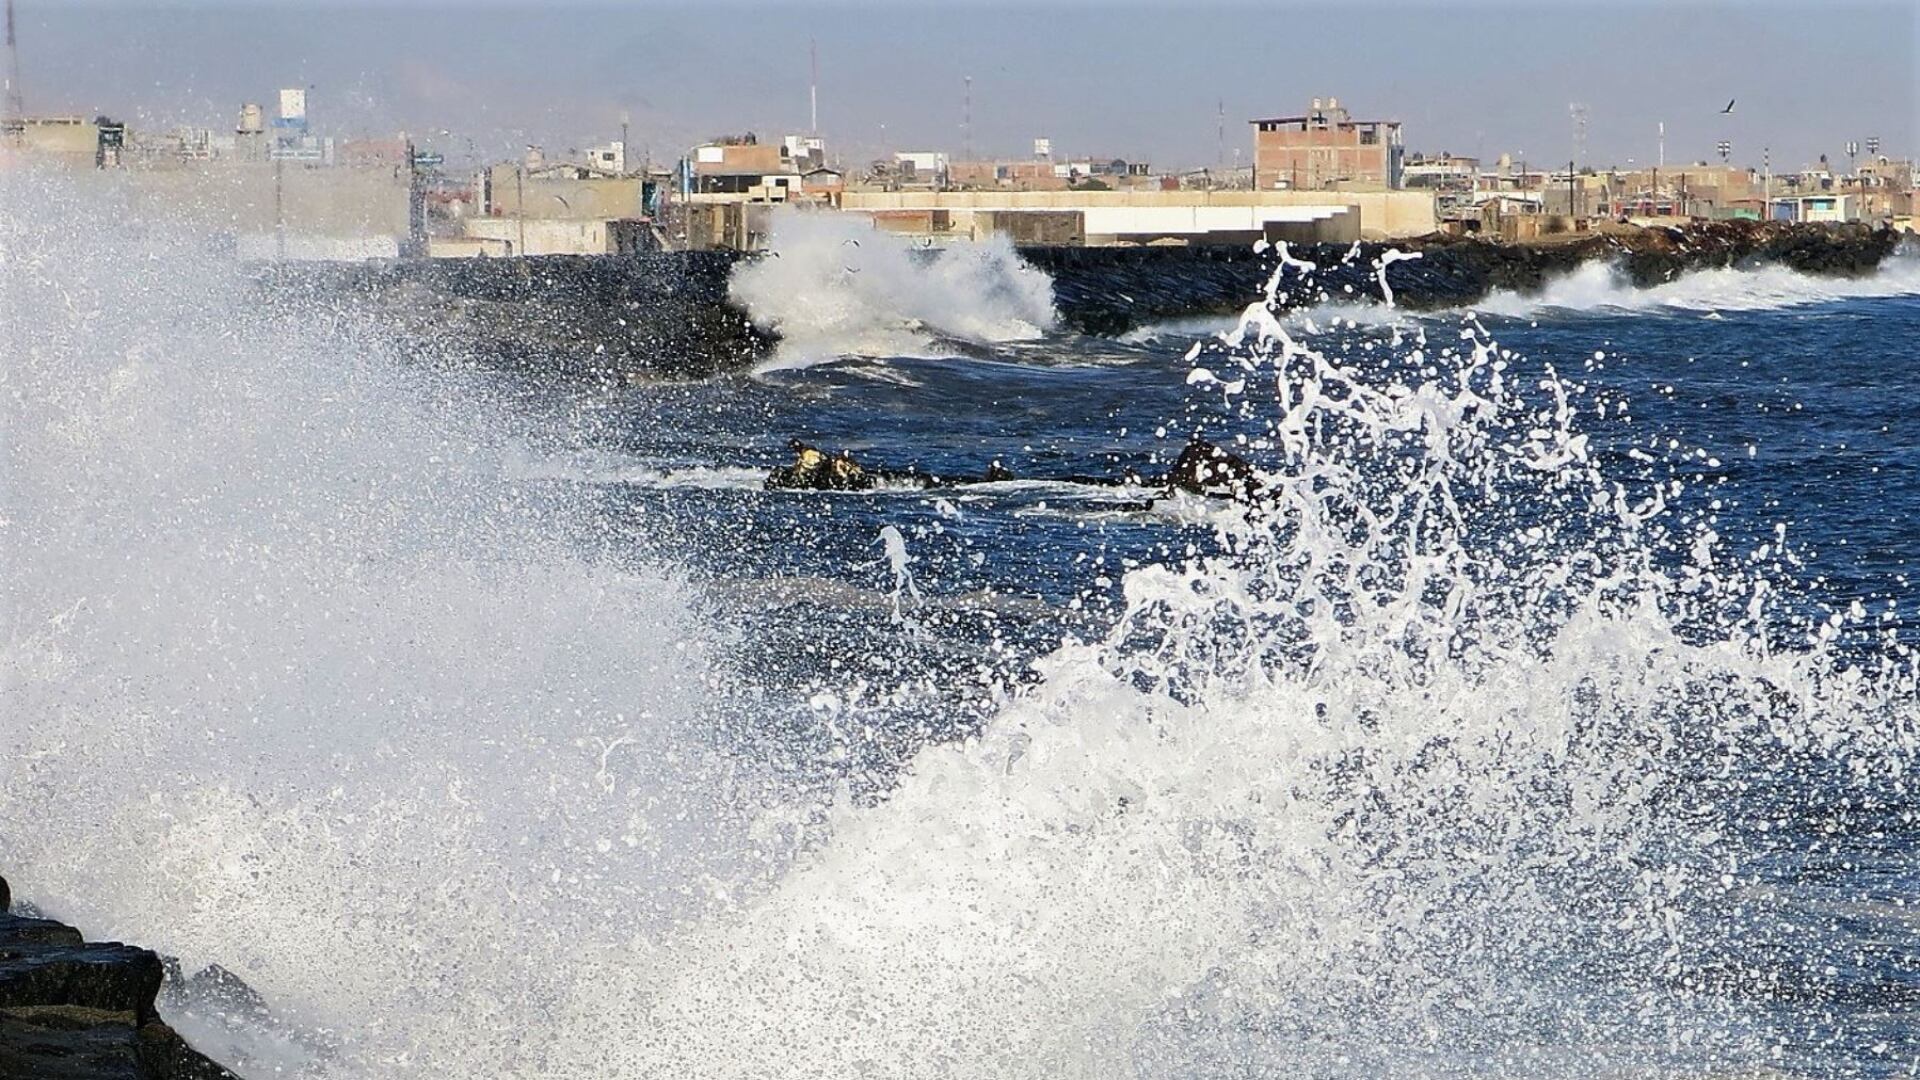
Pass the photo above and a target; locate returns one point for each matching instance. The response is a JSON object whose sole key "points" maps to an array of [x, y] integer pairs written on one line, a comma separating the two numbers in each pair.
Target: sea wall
{"points": [[71, 1009], [669, 315], [1112, 290], [661, 314]]}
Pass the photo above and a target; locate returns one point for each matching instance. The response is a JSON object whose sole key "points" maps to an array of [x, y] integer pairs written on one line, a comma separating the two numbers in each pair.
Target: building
{"points": [[1046, 175], [70, 140], [1326, 149], [804, 153], [1816, 208], [740, 165], [610, 158], [920, 166]]}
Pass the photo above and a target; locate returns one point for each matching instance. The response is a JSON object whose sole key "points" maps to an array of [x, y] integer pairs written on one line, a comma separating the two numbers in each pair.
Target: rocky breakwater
{"points": [[1110, 290], [668, 315], [661, 315], [71, 1009]]}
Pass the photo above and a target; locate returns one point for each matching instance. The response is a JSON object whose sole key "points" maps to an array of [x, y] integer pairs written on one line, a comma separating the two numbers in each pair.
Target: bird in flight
{"points": [[1729, 107]]}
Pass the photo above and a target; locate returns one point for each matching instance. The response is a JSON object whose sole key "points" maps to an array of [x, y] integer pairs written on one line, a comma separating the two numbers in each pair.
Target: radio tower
{"points": [[1220, 135], [1579, 114], [966, 121], [16, 108], [813, 87]]}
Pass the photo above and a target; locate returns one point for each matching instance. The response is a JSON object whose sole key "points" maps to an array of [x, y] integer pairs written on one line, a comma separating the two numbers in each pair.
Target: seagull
{"points": [[854, 242], [1729, 107]]}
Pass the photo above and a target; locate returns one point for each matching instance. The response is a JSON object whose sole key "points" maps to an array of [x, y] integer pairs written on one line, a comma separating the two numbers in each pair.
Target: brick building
{"points": [[1325, 148]]}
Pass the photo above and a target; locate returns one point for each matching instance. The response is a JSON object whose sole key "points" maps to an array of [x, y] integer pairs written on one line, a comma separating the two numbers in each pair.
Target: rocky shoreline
{"points": [[71, 1009], [1113, 290], [668, 314]]}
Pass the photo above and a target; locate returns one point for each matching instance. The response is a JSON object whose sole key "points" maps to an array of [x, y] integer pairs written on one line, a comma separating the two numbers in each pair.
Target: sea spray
{"points": [[1463, 757], [830, 288], [1448, 765], [297, 680]]}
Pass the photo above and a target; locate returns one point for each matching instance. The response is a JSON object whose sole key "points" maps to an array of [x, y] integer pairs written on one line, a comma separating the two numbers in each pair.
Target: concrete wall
{"points": [[69, 140], [539, 236], [337, 212], [599, 198], [1032, 227], [467, 247], [1157, 221], [1382, 214], [307, 247]]}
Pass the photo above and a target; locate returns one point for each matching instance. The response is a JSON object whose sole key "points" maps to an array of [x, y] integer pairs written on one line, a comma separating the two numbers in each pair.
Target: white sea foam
{"points": [[833, 288], [299, 680], [1600, 287]]}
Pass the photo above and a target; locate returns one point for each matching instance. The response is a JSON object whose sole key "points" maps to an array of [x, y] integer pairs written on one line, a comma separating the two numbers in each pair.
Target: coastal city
{"points": [[1014, 540], [279, 182]]}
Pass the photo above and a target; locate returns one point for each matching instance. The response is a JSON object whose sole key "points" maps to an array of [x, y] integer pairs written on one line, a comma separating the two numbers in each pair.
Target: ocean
{"points": [[1552, 714]]}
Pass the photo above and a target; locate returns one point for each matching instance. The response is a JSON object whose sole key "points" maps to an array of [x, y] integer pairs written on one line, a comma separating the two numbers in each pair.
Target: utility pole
{"points": [[16, 107], [625, 119], [279, 205], [1220, 153]]}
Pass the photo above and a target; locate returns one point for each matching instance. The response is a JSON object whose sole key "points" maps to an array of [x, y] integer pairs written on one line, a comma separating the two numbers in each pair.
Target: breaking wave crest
{"points": [[831, 289], [1600, 287]]}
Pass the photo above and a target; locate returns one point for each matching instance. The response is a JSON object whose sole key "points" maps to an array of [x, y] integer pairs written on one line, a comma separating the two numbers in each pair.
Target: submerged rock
{"points": [[1201, 469], [77, 1010], [813, 469], [1205, 469]]}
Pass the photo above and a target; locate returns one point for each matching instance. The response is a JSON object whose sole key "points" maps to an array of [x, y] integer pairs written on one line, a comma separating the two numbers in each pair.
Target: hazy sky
{"points": [[1112, 80]]}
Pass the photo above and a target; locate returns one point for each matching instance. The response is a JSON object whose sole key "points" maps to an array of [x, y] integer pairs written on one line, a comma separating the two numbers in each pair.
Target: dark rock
{"points": [[1111, 290], [616, 317], [75, 1010], [221, 990], [1205, 469]]}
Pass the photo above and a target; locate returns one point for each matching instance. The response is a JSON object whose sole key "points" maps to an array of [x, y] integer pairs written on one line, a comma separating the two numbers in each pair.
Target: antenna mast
{"points": [[16, 108], [1220, 150], [813, 88], [966, 121]]}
